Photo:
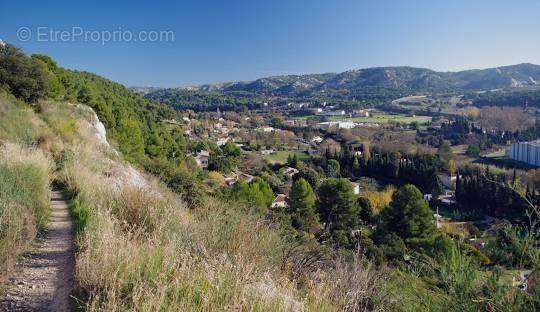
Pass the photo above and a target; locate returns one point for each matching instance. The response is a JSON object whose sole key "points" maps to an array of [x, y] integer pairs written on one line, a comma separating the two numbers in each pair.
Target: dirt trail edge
{"points": [[43, 279]]}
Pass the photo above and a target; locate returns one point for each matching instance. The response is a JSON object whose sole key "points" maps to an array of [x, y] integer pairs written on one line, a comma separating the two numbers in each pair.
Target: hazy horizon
{"points": [[214, 42]]}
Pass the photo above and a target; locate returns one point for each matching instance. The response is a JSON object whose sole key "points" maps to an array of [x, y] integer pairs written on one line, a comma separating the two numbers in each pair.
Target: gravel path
{"points": [[43, 279]]}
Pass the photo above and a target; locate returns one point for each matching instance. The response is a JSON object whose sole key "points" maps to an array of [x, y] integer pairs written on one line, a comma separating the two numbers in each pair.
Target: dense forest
{"points": [[523, 98], [206, 100]]}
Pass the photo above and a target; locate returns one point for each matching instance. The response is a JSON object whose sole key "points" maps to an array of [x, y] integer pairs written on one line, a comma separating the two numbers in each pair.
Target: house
{"points": [[231, 179], [448, 201], [280, 201], [356, 188], [448, 180], [339, 124], [333, 113], [222, 141], [361, 113], [266, 129], [245, 177], [202, 158], [316, 140], [290, 171]]}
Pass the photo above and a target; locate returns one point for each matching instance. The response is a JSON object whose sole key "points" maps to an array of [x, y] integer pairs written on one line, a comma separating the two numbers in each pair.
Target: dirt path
{"points": [[43, 279]]}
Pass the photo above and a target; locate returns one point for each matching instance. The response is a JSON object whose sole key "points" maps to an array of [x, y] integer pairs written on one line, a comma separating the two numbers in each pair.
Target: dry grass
{"points": [[141, 249], [24, 199]]}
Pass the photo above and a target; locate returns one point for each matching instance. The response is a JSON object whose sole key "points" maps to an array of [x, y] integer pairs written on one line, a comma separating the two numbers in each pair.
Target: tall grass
{"points": [[18, 123], [141, 249], [24, 199]]}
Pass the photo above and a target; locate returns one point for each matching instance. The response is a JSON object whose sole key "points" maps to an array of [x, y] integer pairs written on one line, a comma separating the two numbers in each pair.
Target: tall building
{"points": [[527, 152]]}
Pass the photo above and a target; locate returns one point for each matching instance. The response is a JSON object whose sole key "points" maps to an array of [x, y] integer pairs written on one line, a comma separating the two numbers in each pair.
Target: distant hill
{"points": [[366, 85], [403, 77]]}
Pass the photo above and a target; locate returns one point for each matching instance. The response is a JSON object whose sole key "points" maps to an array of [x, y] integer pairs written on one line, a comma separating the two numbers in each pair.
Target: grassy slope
{"points": [[25, 172]]}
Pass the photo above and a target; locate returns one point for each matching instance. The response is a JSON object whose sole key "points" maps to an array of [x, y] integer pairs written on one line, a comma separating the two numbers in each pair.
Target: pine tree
{"points": [[302, 206], [338, 209], [294, 161], [408, 216], [356, 167]]}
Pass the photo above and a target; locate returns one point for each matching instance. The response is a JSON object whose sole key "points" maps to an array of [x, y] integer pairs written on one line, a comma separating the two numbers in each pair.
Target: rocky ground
{"points": [[43, 279]]}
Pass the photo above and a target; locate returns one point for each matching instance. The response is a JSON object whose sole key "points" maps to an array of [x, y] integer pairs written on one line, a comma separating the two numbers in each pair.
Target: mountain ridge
{"points": [[407, 77]]}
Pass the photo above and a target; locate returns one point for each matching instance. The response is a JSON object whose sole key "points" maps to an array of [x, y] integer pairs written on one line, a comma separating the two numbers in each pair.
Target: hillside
{"points": [[371, 84], [141, 246], [156, 231], [404, 77]]}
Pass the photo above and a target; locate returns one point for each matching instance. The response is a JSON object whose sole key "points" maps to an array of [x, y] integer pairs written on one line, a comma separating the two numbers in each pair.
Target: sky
{"points": [[208, 41]]}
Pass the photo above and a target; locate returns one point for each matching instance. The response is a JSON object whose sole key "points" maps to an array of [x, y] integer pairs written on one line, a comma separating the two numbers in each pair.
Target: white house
{"points": [[317, 140], [280, 201], [266, 129], [339, 124], [231, 179], [222, 141], [290, 171], [202, 159], [356, 188]]}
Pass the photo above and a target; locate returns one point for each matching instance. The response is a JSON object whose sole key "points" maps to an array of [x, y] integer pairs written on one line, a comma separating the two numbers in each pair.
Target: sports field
{"points": [[378, 117]]}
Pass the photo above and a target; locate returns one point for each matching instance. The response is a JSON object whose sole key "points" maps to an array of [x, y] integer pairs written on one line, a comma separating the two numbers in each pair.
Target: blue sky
{"points": [[244, 40]]}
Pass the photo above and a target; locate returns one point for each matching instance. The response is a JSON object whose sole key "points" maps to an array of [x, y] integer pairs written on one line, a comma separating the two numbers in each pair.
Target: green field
{"points": [[378, 117], [498, 154], [281, 156]]}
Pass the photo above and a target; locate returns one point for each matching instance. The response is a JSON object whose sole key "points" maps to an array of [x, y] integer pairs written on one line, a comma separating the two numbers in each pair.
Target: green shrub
{"points": [[81, 214]]}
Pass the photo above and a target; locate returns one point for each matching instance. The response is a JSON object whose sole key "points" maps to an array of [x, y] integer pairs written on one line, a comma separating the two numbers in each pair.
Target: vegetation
{"points": [[302, 207], [338, 210], [283, 156], [24, 179], [366, 87], [154, 235], [24, 200], [23, 76]]}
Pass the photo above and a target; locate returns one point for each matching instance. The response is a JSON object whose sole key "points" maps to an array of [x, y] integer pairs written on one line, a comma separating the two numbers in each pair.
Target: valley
{"points": [[389, 189]]}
